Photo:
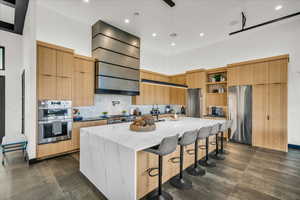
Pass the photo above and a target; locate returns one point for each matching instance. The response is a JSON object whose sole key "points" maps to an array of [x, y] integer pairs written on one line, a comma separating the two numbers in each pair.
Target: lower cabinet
{"points": [[146, 161], [76, 130], [62, 147]]}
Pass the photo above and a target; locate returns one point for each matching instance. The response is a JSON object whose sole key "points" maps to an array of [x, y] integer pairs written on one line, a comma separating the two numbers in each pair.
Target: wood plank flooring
{"points": [[246, 174]]}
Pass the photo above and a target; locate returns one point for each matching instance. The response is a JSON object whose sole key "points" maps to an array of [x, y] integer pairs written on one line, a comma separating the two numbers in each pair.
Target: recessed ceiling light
{"points": [[201, 34], [127, 21], [86, 1], [154, 34], [279, 7], [173, 44]]}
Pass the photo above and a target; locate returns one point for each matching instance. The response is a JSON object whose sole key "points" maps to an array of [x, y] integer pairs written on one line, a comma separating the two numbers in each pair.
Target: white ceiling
{"points": [[7, 14], [188, 18]]}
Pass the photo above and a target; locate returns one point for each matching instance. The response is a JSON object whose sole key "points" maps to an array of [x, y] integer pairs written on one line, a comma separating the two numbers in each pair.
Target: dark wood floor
{"points": [[247, 173]]}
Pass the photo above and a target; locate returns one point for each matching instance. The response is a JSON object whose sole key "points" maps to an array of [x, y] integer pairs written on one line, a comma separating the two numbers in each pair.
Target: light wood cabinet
{"points": [[48, 150], [76, 130], [270, 116], [83, 82], [245, 75], [47, 87], [65, 64], [46, 60], [196, 79], [232, 76], [54, 72], [278, 71], [260, 73], [64, 88]]}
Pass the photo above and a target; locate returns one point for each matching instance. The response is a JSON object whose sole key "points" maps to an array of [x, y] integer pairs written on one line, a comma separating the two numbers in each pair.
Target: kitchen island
{"points": [[112, 156]]}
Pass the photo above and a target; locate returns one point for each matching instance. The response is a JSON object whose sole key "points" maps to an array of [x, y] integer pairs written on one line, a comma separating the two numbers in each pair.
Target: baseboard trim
{"points": [[294, 146]]}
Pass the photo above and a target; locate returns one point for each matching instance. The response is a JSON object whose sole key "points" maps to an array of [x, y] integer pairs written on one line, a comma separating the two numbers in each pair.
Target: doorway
{"points": [[2, 107]]}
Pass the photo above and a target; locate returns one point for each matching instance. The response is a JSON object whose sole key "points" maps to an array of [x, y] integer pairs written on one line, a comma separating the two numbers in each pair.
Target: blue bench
{"points": [[13, 143]]}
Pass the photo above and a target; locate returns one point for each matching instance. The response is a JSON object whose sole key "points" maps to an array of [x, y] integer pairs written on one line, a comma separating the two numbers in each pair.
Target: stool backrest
{"points": [[188, 138], [215, 129], [204, 132], [168, 145]]}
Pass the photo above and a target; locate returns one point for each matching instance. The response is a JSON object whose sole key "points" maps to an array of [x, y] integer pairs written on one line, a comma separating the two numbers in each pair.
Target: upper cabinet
{"points": [[261, 71], [196, 79], [55, 72], [46, 60], [65, 64], [83, 81]]}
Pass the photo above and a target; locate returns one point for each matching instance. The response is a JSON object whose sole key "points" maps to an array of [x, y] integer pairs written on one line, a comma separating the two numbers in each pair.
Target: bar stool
{"points": [[179, 181], [197, 170], [167, 146], [226, 127], [206, 162], [215, 131]]}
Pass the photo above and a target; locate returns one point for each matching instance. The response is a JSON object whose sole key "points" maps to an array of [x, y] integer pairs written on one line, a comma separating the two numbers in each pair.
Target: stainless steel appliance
{"points": [[240, 111], [194, 103], [55, 121], [118, 60]]}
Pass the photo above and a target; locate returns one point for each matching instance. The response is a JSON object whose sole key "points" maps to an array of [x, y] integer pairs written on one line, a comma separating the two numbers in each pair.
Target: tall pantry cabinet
{"points": [[268, 78]]}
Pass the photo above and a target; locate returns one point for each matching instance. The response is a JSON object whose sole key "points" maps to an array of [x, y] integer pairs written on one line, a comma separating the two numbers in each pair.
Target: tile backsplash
{"points": [[103, 103]]}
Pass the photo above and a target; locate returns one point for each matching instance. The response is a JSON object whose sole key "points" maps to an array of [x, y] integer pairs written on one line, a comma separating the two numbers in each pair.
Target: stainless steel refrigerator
{"points": [[194, 103], [240, 111]]}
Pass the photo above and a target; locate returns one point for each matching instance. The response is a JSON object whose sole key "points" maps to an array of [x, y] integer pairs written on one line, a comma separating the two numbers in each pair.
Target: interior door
{"points": [[2, 107]]}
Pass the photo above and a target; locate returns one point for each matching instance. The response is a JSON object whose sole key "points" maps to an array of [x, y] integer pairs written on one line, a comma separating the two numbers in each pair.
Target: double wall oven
{"points": [[55, 121]]}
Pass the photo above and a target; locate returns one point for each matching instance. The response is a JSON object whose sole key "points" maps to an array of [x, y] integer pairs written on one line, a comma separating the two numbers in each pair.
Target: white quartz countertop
{"points": [[122, 135]]}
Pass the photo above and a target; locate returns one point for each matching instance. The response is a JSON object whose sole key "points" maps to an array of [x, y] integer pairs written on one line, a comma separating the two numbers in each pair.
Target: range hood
{"points": [[117, 55]]}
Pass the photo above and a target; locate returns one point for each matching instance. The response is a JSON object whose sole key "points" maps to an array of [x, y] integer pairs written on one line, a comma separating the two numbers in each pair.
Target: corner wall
{"points": [[29, 57]]}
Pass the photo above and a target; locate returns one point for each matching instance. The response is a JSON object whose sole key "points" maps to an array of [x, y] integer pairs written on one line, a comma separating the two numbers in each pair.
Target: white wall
{"points": [[29, 55], [270, 41], [55, 28], [12, 73]]}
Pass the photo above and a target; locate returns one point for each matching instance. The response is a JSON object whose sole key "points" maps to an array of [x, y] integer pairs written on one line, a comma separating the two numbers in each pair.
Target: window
{"points": [[2, 58]]}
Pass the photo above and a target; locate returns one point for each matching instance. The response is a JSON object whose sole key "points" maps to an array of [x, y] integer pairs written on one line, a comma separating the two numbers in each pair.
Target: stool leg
{"points": [[196, 170], [222, 150], [160, 194], [160, 174], [206, 162], [216, 156], [179, 181]]}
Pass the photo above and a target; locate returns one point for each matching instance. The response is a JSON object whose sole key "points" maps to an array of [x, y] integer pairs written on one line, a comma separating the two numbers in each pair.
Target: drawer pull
{"points": [[190, 151], [150, 172], [174, 160]]}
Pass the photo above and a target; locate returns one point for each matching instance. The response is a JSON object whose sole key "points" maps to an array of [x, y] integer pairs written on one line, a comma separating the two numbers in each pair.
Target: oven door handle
{"points": [[53, 121]]}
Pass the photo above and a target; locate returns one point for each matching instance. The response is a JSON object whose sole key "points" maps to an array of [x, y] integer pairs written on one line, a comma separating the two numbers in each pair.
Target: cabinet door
{"points": [[232, 76], [245, 75], [65, 64], [277, 117], [260, 73], [259, 116], [47, 87], [88, 88], [64, 88], [46, 61], [166, 95], [77, 89], [278, 71]]}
